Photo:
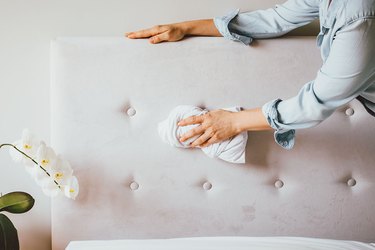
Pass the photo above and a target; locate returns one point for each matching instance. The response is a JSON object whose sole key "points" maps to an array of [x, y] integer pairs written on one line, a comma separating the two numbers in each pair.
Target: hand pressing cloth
{"points": [[231, 150]]}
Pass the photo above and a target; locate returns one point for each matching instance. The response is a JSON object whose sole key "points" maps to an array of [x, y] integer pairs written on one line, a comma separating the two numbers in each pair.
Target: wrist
{"points": [[199, 28], [185, 27], [251, 120], [239, 123]]}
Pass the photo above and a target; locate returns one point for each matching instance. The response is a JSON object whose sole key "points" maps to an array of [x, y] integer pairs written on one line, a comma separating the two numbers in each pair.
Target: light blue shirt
{"points": [[347, 44]]}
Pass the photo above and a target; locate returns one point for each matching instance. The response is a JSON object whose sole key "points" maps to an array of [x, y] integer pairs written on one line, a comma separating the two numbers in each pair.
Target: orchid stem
{"points": [[11, 145]]}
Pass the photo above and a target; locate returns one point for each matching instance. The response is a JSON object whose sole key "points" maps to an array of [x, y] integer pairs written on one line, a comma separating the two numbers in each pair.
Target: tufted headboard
{"points": [[108, 95]]}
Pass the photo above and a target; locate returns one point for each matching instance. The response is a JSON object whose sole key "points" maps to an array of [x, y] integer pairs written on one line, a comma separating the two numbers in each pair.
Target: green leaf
{"points": [[8, 234], [16, 202]]}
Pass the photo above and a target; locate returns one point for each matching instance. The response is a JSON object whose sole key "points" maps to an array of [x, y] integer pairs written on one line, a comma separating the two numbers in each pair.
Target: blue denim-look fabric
{"points": [[347, 45]]}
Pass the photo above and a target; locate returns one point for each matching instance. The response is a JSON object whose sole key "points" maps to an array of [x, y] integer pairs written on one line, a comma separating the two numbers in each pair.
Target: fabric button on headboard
{"points": [[108, 95]]}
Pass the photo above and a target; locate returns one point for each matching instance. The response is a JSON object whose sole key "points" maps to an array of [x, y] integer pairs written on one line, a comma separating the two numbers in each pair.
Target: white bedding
{"points": [[221, 243]]}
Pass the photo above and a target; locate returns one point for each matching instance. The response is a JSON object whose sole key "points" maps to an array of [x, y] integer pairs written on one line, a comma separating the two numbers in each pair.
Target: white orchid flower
{"points": [[71, 190], [45, 156], [51, 172], [28, 144], [61, 171]]}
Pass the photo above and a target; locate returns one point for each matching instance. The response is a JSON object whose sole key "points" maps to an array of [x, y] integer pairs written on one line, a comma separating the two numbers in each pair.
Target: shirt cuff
{"points": [[284, 137], [222, 23]]}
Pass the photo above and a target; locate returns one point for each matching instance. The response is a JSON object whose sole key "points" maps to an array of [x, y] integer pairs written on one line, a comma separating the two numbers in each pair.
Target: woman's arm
{"points": [[348, 72], [177, 31], [242, 27]]}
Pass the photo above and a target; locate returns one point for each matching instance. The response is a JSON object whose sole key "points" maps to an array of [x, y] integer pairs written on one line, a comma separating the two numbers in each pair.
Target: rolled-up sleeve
{"points": [[273, 22], [348, 71]]}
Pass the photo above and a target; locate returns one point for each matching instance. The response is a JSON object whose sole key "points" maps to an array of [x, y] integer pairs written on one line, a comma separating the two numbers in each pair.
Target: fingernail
{"points": [[178, 123]]}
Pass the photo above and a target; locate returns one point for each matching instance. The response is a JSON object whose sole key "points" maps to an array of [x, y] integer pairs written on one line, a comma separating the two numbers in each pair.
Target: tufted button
{"points": [[134, 185], [131, 111], [349, 111], [279, 184], [207, 185], [351, 182]]}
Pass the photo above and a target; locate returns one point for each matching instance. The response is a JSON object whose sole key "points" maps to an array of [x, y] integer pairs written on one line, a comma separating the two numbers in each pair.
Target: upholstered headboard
{"points": [[108, 95]]}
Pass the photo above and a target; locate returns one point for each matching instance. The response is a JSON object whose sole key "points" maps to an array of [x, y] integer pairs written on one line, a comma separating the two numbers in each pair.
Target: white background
{"points": [[26, 28]]}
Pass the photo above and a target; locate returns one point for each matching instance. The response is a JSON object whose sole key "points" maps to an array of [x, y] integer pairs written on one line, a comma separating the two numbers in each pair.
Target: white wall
{"points": [[26, 28]]}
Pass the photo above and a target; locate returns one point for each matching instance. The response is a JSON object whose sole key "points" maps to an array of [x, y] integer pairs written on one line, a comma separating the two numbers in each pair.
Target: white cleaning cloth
{"points": [[231, 150]]}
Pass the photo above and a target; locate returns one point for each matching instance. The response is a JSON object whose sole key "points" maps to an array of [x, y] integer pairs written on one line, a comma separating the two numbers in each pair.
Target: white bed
{"points": [[109, 94], [224, 243]]}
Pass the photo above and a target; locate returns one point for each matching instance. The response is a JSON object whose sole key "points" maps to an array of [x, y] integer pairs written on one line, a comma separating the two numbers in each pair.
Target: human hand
{"points": [[160, 33], [215, 126]]}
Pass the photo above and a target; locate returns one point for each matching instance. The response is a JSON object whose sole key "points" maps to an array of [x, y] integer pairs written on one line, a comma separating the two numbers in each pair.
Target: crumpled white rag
{"points": [[231, 150]]}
